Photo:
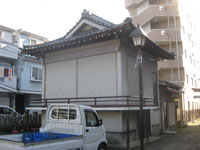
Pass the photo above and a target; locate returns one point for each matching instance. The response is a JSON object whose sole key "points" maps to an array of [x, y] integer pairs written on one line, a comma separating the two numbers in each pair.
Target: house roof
{"points": [[34, 35], [92, 29], [6, 28], [170, 85], [85, 15]]}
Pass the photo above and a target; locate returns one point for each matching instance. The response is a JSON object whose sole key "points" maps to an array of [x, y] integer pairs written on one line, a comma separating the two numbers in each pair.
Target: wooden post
{"points": [[95, 101], [35, 119], [27, 123], [68, 101], [45, 102], [147, 125]]}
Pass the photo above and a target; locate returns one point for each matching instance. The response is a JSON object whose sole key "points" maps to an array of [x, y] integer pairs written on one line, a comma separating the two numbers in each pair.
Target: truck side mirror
{"points": [[100, 122]]}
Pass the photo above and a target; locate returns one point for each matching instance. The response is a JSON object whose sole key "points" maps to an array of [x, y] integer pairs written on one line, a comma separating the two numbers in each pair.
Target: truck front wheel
{"points": [[102, 146]]}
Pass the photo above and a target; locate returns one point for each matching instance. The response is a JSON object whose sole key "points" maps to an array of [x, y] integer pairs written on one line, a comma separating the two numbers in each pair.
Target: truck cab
{"points": [[77, 120]]}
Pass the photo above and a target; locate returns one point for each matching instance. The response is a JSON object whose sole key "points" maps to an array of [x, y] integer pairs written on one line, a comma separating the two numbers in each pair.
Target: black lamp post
{"points": [[139, 38]]}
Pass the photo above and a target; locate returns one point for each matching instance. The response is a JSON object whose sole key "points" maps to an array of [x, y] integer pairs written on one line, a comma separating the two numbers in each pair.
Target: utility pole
{"points": [[139, 39], [141, 116]]}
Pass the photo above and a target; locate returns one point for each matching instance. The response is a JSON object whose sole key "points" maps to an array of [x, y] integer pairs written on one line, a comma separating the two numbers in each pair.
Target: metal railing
{"points": [[108, 101], [8, 50]]}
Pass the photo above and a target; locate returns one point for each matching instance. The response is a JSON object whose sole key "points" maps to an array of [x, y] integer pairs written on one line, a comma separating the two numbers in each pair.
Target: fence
{"points": [[109, 101], [191, 115], [21, 122]]}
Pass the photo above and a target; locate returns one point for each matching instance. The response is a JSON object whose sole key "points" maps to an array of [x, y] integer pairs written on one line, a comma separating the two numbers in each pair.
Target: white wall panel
{"points": [[61, 79], [97, 75]]}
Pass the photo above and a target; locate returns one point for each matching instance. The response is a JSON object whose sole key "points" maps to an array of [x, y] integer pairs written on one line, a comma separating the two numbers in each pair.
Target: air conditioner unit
{"points": [[161, 7], [163, 32]]}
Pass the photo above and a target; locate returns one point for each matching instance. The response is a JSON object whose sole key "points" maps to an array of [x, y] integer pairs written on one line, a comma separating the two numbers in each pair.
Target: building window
{"points": [[36, 74], [185, 54], [190, 59], [189, 37], [187, 79], [194, 63], [183, 30], [195, 83], [188, 105], [191, 24], [33, 42], [1, 34], [192, 81]]}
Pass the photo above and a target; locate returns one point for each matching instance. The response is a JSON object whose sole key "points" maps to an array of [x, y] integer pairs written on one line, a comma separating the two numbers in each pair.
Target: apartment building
{"points": [[20, 75], [170, 25]]}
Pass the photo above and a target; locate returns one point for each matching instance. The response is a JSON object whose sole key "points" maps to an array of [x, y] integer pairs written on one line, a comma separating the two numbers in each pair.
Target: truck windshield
{"points": [[63, 114]]}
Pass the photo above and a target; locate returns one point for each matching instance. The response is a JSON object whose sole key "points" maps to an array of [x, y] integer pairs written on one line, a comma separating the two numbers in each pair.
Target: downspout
{"points": [[44, 80], [170, 41], [44, 92]]}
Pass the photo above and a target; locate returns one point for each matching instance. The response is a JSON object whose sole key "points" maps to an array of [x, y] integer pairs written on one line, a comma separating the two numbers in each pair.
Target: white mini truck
{"points": [[80, 125]]}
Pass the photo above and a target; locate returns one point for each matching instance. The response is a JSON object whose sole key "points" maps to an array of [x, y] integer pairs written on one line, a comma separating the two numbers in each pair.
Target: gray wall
{"points": [[116, 124], [130, 84], [130, 72]]}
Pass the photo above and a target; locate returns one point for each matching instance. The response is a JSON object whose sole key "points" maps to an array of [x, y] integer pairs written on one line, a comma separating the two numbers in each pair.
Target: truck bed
{"points": [[15, 142]]}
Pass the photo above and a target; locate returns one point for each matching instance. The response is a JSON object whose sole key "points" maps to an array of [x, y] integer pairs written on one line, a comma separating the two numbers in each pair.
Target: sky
{"points": [[54, 18]]}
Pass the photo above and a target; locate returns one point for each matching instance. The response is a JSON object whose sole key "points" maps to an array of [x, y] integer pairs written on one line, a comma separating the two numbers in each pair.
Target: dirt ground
{"points": [[187, 138]]}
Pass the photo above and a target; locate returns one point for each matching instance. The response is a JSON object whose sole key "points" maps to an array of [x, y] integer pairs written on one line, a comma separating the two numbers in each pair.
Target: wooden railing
{"points": [[109, 101]]}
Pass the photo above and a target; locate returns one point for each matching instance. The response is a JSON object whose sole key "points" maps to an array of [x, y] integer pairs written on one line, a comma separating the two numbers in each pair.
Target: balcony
{"points": [[169, 63], [152, 12], [161, 35], [132, 3], [9, 84], [8, 50]]}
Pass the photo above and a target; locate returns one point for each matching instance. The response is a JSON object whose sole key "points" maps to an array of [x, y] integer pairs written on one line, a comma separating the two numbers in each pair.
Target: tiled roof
{"points": [[91, 36], [93, 18], [96, 19], [111, 31]]}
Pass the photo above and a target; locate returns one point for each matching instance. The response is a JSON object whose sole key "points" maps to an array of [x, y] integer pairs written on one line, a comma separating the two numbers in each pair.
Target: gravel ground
{"points": [[187, 138]]}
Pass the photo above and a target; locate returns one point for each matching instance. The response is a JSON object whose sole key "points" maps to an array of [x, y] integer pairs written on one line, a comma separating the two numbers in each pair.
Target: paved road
{"points": [[187, 138]]}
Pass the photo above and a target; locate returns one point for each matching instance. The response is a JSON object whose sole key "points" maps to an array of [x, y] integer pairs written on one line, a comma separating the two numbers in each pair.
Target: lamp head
{"points": [[139, 36]]}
